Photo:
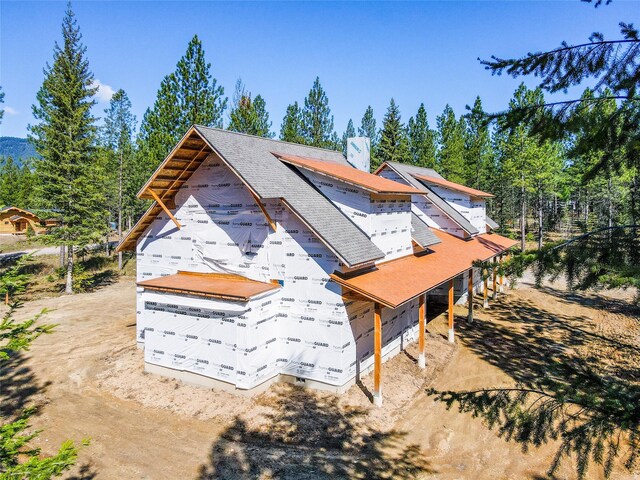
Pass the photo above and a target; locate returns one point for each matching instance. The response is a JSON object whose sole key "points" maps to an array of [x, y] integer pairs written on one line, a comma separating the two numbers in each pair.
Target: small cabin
{"points": [[17, 221]]}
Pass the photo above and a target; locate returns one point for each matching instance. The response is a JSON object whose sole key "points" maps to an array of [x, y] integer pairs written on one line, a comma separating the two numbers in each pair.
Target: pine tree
{"points": [[247, 115], [478, 150], [368, 129], [350, 132], [422, 140], [71, 177], [117, 139], [394, 144], [317, 121], [186, 97], [450, 158], [291, 129]]}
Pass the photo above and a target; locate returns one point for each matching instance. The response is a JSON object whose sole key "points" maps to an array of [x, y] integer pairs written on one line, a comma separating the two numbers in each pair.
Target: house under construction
{"points": [[262, 260]]}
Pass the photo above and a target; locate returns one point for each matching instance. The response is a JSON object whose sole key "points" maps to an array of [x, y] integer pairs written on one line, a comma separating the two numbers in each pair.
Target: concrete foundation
{"points": [[452, 336]]}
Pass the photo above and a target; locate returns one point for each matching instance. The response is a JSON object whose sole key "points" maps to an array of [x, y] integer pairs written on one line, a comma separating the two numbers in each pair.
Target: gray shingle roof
{"points": [[407, 172], [492, 224], [251, 157], [421, 233]]}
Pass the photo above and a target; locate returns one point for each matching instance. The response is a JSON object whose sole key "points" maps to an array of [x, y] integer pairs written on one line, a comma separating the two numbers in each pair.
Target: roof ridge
{"points": [[271, 139]]}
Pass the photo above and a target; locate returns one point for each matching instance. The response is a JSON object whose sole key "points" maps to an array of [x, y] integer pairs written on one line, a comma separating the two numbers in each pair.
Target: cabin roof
{"points": [[441, 182], [409, 172], [398, 281], [421, 233], [265, 176], [349, 174]]}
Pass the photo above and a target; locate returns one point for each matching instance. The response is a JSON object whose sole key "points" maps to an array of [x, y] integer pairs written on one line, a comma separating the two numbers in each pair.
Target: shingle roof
{"points": [[441, 182], [492, 224], [421, 233], [348, 174], [251, 158], [398, 281], [407, 172]]}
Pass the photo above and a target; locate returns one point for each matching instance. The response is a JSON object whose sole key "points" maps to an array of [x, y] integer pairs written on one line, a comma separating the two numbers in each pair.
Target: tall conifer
{"points": [[422, 140], [249, 115], [394, 144], [350, 132], [317, 121], [71, 176], [451, 133], [478, 149], [291, 129]]}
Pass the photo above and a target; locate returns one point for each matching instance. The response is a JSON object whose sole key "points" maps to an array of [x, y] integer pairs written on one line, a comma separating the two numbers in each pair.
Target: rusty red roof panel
{"points": [[348, 174], [398, 281], [453, 186]]}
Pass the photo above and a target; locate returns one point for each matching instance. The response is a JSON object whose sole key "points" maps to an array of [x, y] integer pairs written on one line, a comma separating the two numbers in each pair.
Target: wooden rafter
{"points": [[264, 211], [164, 207]]}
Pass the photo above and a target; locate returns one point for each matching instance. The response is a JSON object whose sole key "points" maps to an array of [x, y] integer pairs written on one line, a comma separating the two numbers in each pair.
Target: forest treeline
{"points": [[541, 185]]}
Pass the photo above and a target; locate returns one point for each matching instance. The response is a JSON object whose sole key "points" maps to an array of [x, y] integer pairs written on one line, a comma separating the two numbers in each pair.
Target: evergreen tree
{"points": [[291, 129], [317, 121], [117, 138], [422, 140], [478, 149], [350, 132], [71, 177], [247, 115], [1, 102], [451, 135], [188, 96], [368, 129], [394, 144]]}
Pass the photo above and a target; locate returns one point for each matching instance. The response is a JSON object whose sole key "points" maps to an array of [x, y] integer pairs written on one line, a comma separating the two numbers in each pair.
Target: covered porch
{"points": [[393, 284]]}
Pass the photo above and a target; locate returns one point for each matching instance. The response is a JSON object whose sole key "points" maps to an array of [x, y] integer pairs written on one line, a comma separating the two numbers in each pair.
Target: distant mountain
{"points": [[18, 148]]}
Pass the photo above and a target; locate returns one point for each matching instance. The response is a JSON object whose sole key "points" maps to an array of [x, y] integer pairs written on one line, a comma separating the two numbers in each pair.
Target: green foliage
{"points": [[188, 96], [479, 155], [394, 143], [71, 176], [451, 154], [368, 129], [249, 115], [316, 119], [2, 102], [291, 129], [17, 183], [422, 140], [350, 132], [595, 418], [15, 279]]}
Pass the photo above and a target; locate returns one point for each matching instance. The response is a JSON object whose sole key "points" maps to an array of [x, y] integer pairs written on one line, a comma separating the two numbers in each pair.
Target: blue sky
{"points": [[364, 53]]}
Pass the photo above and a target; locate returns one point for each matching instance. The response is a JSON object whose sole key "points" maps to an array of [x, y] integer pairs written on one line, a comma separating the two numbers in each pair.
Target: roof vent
{"points": [[358, 153]]}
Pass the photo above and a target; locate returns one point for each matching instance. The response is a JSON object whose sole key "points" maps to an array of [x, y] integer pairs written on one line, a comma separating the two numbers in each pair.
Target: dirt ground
{"points": [[89, 381]]}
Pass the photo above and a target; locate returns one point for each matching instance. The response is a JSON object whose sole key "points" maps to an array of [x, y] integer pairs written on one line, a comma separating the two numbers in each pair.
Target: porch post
{"points": [[450, 312], [501, 276], [470, 296], [377, 353], [495, 279], [485, 302], [422, 320]]}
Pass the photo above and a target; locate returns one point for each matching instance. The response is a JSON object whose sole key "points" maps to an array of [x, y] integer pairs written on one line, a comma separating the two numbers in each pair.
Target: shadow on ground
{"points": [[19, 386], [302, 435]]}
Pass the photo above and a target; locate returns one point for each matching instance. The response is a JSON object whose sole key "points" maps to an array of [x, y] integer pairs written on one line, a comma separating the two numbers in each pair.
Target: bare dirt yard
{"points": [[88, 379]]}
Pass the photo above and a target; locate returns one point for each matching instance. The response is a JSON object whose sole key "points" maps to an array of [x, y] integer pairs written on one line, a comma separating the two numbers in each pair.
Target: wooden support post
{"points": [[422, 324], [501, 277], [264, 212], [450, 312], [495, 279], [377, 354], [470, 296], [164, 207], [485, 292]]}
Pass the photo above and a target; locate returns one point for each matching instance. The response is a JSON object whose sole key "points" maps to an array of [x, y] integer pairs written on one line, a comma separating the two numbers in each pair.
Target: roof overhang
{"points": [[441, 182], [398, 281], [224, 286]]}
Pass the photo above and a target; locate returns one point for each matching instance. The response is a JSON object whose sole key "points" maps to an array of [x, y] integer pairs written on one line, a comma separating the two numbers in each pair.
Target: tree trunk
{"points": [[540, 228], [69, 286], [120, 212], [61, 256], [523, 219]]}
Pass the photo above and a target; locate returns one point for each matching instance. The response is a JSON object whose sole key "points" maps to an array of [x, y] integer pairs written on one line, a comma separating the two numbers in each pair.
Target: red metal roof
{"points": [[453, 186], [368, 181], [398, 281], [219, 285]]}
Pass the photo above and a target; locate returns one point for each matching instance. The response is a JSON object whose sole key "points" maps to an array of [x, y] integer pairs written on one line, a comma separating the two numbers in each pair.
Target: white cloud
{"points": [[105, 92], [10, 111]]}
